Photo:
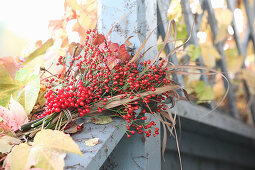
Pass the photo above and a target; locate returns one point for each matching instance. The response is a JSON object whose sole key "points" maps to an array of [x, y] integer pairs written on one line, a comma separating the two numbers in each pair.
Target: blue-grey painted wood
{"points": [[214, 119], [213, 147], [191, 162], [109, 136], [147, 16], [127, 155]]}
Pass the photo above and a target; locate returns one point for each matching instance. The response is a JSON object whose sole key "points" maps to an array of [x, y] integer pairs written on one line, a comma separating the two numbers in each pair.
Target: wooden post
{"points": [[138, 19]]}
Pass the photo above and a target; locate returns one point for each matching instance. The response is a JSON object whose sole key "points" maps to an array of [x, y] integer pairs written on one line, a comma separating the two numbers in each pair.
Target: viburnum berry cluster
{"points": [[99, 73]]}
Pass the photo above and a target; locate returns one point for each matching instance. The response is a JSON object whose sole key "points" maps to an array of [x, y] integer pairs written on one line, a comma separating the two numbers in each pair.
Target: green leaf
{"points": [[181, 28], [23, 74], [193, 51], [29, 94], [41, 99], [204, 92], [32, 89], [39, 51], [8, 86]]}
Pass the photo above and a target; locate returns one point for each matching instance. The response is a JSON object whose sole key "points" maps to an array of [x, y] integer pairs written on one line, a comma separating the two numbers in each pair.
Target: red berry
{"points": [[78, 127]]}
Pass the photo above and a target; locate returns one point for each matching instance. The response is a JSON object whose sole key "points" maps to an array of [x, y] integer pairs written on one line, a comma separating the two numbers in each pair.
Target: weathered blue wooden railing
{"points": [[211, 142]]}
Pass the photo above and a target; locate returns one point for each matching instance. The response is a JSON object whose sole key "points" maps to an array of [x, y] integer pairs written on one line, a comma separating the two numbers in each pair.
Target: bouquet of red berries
{"points": [[101, 77]]}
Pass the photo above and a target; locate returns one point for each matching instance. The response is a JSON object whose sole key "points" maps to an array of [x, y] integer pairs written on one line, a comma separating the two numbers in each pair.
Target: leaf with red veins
{"points": [[113, 46], [123, 54], [99, 39], [15, 116], [10, 64], [69, 15], [4, 129], [112, 61]]}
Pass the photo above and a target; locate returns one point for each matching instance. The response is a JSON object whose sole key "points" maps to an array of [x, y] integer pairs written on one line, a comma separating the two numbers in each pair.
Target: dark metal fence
{"points": [[222, 64]]}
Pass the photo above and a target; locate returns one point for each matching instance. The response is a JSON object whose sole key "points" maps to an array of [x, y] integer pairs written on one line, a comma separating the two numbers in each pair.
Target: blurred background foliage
{"points": [[33, 33]]}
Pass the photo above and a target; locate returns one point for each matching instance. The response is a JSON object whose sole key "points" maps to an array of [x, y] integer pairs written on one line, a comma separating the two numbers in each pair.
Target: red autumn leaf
{"points": [[99, 39], [112, 61], [123, 54], [113, 46], [4, 129], [38, 43], [70, 15], [10, 64]]}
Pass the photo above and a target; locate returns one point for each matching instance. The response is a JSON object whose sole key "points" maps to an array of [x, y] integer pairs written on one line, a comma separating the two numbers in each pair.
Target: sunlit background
{"points": [[23, 22]]}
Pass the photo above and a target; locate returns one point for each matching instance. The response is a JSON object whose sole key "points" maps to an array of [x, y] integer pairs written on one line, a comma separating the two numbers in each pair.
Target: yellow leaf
{"points": [[46, 159], [84, 20], [7, 142], [17, 159], [88, 14], [234, 60], [73, 4], [92, 142], [47, 151], [249, 77], [175, 10], [190, 84], [224, 18], [56, 140], [218, 87], [210, 54]]}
